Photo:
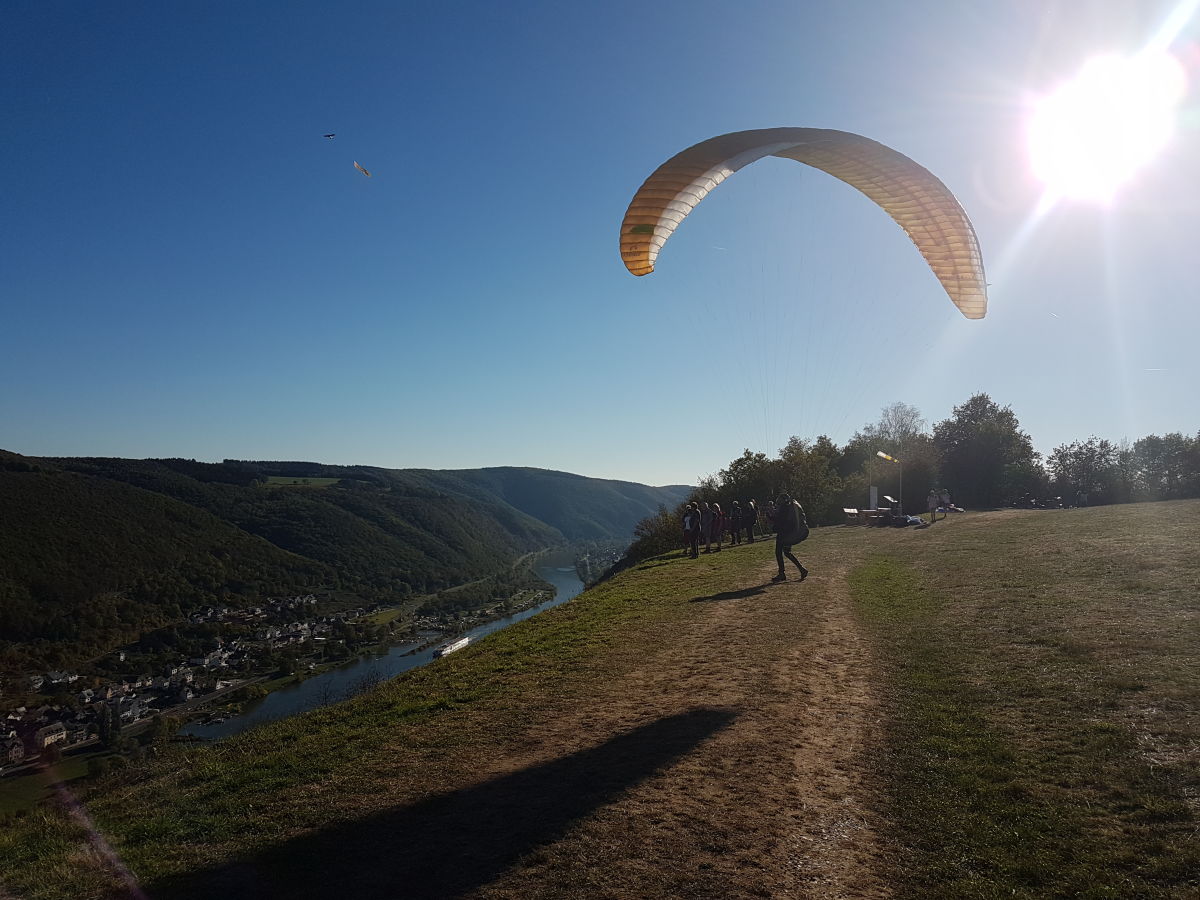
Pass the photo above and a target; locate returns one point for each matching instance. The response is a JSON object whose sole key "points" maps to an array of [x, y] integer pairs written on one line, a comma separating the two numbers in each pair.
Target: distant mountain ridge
{"points": [[93, 551], [581, 508]]}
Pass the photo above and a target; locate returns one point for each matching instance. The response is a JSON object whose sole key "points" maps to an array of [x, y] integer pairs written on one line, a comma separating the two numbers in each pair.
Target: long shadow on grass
{"points": [[731, 595], [453, 843], [661, 561]]}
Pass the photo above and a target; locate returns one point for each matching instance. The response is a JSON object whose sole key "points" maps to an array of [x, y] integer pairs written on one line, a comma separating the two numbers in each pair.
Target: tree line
{"points": [[979, 453]]}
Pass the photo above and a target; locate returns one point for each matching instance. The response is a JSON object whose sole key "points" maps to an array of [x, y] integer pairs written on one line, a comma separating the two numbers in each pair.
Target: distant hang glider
{"points": [[361, 169], [909, 193], [330, 136]]}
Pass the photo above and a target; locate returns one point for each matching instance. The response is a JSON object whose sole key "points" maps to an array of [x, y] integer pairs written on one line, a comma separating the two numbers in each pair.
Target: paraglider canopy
{"points": [[912, 195]]}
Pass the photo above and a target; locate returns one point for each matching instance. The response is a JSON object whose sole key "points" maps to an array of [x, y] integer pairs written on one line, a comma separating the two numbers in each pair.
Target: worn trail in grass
{"points": [[770, 805]]}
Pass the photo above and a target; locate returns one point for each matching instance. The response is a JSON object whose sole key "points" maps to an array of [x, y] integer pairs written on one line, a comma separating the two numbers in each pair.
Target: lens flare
{"points": [[1093, 133]]}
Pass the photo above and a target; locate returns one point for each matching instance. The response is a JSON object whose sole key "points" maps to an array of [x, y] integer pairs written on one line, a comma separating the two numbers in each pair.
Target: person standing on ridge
{"points": [[932, 501], [791, 528], [706, 524], [691, 530], [718, 526], [735, 523], [749, 517]]}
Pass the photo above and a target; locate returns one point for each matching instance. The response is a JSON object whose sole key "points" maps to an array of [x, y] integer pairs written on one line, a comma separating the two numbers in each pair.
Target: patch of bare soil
{"points": [[769, 801]]}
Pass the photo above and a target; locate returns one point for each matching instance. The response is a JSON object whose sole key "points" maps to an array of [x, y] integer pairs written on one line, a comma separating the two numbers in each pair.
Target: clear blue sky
{"points": [[187, 268]]}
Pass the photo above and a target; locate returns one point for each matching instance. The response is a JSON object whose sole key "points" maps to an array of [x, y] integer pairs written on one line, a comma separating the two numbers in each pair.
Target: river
{"points": [[557, 567]]}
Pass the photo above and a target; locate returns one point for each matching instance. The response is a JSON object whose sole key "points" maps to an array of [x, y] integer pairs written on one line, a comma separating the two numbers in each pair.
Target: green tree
{"points": [[1168, 466], [808, 472], [1123, 481], [982, 446], [1026, 477], [1085, 470], [161, 730], [752, 476], [288, 663], [109, 725], [656, 534]]}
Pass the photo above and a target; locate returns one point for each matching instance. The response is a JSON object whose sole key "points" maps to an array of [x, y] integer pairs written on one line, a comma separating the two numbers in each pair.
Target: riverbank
{"points": [[218, 714], [336, 682]]}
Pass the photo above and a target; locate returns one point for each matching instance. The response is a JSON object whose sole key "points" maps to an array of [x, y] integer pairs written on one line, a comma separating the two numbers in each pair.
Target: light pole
{"points": [[900, 469], [874, 491]]}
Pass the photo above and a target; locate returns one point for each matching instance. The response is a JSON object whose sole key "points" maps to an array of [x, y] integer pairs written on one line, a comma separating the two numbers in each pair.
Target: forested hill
{"points": [[94, 551], [581, 508]]}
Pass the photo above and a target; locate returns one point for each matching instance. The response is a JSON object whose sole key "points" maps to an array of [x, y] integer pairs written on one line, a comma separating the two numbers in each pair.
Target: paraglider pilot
{"points": [[792, 528]]}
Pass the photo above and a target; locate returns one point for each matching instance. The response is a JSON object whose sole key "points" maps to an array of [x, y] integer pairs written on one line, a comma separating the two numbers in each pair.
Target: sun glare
{"points": [[1093, 133]]}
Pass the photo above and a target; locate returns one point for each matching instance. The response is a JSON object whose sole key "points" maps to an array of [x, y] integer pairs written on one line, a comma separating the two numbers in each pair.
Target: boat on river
{"points": [[452, 646]]}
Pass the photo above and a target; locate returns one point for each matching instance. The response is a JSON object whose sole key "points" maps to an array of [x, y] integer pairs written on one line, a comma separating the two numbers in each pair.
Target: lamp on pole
{"points": [[900, 469]]}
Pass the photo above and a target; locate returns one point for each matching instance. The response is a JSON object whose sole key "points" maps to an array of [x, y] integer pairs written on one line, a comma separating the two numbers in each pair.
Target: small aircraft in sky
{"points": [[329, 136]]}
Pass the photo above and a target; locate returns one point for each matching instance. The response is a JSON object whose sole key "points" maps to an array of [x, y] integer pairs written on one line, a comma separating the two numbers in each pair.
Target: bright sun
{"points": [[1093, 133]]}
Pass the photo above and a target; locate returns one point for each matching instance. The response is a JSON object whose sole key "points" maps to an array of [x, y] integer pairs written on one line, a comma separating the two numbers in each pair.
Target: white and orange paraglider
{"points": [[912, 195]]}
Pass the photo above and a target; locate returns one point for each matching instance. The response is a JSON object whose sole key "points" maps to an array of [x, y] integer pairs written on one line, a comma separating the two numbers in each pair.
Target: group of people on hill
{"points": [[707, 522]]}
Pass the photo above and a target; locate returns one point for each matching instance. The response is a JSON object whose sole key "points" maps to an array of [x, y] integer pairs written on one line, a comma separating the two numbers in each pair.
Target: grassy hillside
{"points": [[95, 550], [88, 563], [1000, 705]]}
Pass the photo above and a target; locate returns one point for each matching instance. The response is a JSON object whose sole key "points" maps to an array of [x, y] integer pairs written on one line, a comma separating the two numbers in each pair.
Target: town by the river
{"points": [[556, 568], [255, 665]]}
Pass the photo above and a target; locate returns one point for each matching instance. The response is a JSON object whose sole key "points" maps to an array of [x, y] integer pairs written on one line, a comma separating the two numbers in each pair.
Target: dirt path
{"points": [[837, 848], [719, 751], [773, 804]]}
